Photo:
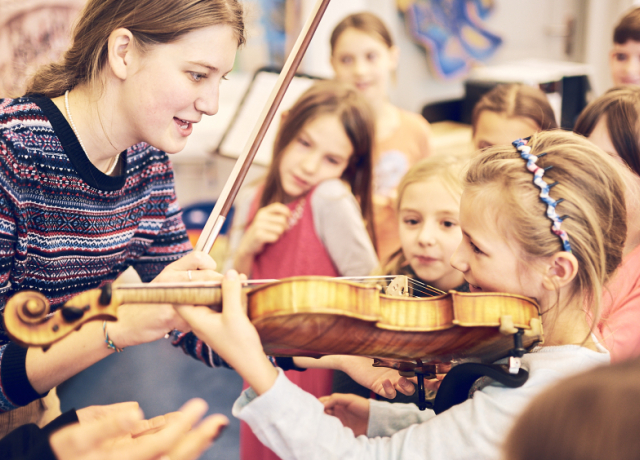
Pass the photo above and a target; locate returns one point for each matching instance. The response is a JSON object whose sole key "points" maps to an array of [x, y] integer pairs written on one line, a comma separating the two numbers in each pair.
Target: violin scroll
{"points": [[29, 323]]}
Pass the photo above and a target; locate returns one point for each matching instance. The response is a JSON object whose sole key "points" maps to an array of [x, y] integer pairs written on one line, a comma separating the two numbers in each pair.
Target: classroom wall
{"points": [[529, 28]]}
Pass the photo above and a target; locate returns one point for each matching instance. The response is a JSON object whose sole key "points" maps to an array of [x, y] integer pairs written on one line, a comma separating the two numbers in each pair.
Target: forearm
{"points": [[243, 262], [67, 357]]}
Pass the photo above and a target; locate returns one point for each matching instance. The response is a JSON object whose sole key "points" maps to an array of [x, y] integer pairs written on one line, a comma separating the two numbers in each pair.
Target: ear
{"points": [[120, 51], [561, 270]]}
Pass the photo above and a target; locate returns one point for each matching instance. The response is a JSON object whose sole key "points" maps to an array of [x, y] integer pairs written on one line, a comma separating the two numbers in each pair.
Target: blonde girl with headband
{"points": [[509, 112], [612, 122], [429, 235], [508, 245], [311, 215], [86, 185], [363, 54]]}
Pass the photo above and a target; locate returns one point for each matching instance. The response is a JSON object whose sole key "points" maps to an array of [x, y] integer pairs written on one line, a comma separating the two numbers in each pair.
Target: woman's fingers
{"points": [[77, 441], [200, 438]]}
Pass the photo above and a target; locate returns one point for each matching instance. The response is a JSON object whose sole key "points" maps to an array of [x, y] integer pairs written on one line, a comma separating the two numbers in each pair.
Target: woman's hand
{"points": [[195, 266], [232, 335], [352, 410], [121, 433], [143, 323], [267, 227]]}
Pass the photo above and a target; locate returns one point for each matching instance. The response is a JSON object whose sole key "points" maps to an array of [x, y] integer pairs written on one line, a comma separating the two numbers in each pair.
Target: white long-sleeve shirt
{"points": [[293, 424]]}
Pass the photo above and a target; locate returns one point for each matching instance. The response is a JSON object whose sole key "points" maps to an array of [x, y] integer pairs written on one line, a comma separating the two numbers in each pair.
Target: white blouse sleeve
{"points": [[338, 222]]}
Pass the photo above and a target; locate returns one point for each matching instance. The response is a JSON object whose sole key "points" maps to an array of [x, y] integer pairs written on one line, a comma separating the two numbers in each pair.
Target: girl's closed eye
{"points": [[475, 248]]}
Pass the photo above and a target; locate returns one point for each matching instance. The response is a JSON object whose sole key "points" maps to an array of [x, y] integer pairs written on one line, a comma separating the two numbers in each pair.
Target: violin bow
{"points": [[234, 182]]}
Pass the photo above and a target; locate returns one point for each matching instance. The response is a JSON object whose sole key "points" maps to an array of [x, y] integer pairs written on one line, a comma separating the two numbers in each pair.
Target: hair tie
{"points": [[538, 172]]}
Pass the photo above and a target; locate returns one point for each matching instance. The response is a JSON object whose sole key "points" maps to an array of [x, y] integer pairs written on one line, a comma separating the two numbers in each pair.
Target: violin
{"points": [[315, 316]]}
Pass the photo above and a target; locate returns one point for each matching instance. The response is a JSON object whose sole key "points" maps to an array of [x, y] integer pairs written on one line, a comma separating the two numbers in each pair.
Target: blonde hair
{"points": [[151, 22], [516, 100], [449, 170], [590, 182], [351, 108]]}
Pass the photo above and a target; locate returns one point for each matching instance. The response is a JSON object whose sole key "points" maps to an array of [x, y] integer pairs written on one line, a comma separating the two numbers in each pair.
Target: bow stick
{"points": [[234, 182]]}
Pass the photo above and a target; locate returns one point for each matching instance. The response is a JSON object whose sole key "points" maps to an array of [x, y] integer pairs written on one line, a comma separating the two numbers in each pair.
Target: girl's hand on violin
{"points": [[232, 336], [145, 323], [195, 266], [267, 227], [352, 410], [381, 380]]}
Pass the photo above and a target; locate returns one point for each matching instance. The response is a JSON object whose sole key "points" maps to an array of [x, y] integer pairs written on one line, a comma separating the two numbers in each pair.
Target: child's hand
{"points": [[267, 227], [143, 323], [352, 410], [381, 380], [232, 335]]}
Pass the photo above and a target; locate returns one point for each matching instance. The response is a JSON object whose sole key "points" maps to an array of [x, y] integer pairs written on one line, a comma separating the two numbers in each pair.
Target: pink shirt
{"points": [[619, 324]]}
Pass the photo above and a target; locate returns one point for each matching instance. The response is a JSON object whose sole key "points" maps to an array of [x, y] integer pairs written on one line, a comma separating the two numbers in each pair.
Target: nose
{"points": [[426, 237], [360, 67], [208, 100], [310, 163], [459, 259]]}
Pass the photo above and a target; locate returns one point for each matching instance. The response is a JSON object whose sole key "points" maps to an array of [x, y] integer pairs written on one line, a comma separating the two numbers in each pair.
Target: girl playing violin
{"points": [[513, 240], [429, 234], [86, 186], [363, 54], [304, 218]]}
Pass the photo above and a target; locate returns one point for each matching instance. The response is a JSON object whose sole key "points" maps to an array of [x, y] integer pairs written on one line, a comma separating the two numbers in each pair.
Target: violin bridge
{"points": [[398, 287]]}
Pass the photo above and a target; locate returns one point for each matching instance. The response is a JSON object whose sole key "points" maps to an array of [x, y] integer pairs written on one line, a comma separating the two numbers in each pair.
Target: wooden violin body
{"points": [[312, 316], [316, 316]]}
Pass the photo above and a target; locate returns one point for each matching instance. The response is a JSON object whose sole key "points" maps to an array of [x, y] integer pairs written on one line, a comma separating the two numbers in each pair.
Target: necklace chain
{"points": [[114, 161]]}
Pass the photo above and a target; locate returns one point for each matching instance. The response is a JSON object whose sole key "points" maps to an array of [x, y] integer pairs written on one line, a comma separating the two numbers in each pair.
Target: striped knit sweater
{"points": [[65, 227]]}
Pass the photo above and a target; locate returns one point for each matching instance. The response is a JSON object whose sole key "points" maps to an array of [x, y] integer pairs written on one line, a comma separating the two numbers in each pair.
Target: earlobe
{"points": [[120, 48], [562, 270]]}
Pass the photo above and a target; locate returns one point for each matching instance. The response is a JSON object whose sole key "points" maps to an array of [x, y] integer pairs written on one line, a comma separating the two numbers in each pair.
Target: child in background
{"points": [[625, 55], [514, 242], [363, 54], [429, 234], [303, 219], [509, 112], [612, 122]]}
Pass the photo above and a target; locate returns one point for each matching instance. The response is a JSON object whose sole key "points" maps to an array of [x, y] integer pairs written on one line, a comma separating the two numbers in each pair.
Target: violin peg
{"points": [[506, 325]]}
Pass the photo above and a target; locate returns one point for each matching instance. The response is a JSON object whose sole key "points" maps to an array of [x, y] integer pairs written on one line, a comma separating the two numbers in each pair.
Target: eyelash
{"points": [[196, 76], [475, 248]]}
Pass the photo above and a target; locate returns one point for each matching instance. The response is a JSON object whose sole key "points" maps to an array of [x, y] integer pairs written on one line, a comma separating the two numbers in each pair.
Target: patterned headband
{"points": [[525, 152]]}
